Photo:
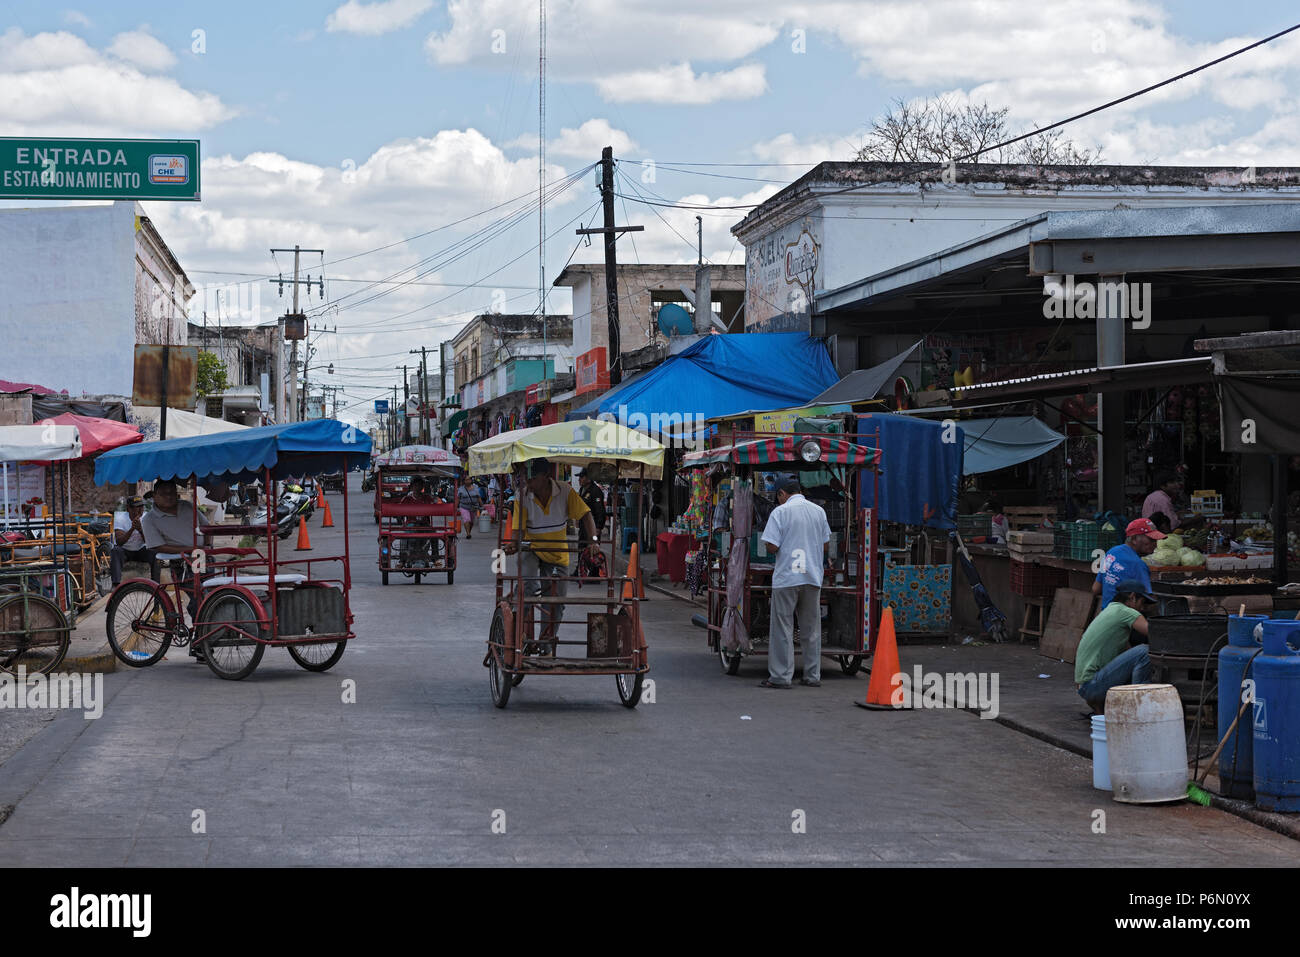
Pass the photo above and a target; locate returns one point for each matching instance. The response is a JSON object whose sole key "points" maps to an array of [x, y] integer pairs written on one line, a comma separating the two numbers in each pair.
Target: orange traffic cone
{"points": [[884, 689], [320, 495], [329, 519], [633, 589], [304, 542]]}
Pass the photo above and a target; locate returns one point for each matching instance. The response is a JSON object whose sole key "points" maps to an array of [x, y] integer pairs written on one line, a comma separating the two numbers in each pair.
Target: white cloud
{"points": [[680, 84], [787, 148], [141, 48], [57, 84], [407, 186], [77, 18], [373, 19], [585, 142]]}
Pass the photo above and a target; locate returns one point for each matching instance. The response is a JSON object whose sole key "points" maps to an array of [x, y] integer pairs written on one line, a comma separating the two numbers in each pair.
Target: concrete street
{"points": [[417, 770]]}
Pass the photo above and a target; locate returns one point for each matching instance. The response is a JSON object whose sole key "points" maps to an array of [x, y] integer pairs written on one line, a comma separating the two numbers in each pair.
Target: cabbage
{"points": [[1166, 556], [1152, 560], [1190, 556], [1172, 541]]}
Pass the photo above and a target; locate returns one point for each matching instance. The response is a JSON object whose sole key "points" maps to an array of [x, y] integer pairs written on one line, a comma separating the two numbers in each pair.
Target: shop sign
{"points": [[62, 168], [591, 372]]}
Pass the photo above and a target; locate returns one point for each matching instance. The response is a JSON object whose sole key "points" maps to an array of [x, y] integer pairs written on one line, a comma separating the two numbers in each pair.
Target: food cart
{"points": [[242, 599], [416, 539], [615, 642], [739, 574]]}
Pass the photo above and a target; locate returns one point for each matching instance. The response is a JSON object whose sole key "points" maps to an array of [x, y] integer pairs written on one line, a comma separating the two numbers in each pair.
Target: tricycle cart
{"points": [[615, 642], [38, 607], [417, 538], [242, 599], [739, 575]]}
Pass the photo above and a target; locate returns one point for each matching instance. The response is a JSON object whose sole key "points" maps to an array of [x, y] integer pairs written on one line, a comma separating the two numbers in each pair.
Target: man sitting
{"points": [[169, 528], [541, 517], [1101, 661], [415, 550], [128, 541]]}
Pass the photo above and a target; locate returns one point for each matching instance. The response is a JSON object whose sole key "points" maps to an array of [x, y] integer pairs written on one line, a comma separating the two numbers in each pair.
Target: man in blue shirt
{"points": [[1124, 562]]}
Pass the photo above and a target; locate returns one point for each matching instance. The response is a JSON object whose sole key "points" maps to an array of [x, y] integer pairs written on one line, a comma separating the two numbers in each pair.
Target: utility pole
{"points": [[424, 394], [406, 401], [610, 232], [293, 361]]}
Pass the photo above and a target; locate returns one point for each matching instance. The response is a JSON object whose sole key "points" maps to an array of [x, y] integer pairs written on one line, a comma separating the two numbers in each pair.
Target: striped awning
{"points": [[785, 450]]}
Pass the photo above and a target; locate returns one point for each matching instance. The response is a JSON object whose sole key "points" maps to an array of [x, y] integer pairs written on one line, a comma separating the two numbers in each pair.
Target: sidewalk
{"points": [[1037, 697], [88, 651]]}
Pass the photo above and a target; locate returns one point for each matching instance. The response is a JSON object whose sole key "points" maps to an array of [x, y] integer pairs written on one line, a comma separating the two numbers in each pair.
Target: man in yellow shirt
{"points": [[541, 516]]}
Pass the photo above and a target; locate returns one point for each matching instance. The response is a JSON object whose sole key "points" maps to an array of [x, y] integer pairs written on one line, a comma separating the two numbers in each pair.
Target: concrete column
{"points": [[1112, 312]]}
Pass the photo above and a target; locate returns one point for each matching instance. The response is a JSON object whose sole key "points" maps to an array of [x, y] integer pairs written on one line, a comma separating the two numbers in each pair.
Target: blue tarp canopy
{"points": [[920, 468], [295, 449], [723, 375], [999, 443]]}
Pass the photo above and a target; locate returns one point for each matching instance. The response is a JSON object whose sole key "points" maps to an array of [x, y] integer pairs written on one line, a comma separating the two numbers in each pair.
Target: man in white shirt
{"points": [[798, 533], [128, 541]]}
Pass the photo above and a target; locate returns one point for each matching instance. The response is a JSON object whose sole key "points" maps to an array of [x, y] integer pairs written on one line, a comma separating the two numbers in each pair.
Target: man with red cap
{"points": [[1124, 562]]}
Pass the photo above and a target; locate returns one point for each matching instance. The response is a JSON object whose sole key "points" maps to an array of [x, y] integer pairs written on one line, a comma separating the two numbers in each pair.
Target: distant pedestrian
{"points": [[594, 496], [468, 502], [798, 533]]}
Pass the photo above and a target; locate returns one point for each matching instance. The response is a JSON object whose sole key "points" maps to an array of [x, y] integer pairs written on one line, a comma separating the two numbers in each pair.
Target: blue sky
{"points": [[356, 125]]}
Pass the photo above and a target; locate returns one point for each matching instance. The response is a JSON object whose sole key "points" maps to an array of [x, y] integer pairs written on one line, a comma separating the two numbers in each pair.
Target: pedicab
{"points": [[35, 628], [615, 642], [739, 576], [240, 599], [416, 539]]}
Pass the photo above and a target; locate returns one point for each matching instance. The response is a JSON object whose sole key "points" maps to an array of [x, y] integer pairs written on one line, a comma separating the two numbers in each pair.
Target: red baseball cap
{"points": [[1144, 526]]}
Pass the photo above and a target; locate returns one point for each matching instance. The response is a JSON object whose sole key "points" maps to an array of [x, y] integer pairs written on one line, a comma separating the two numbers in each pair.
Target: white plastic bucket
{"points": [[1145, 744], [484, 522], [1100, 759]]}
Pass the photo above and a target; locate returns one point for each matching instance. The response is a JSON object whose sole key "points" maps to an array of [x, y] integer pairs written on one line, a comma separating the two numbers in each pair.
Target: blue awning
{"points": [[723, 375], [999, 443], [295, 449]]}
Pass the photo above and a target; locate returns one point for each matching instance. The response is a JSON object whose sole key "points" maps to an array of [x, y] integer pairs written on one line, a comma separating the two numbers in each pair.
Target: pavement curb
{"points": [[1242, 809]]}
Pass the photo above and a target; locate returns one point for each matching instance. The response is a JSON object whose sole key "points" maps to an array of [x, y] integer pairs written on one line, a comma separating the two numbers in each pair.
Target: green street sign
{"points": [[61, 168]]}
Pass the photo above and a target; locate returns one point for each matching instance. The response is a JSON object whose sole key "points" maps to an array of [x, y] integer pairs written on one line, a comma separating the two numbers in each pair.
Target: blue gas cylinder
{"points": [[1236, 774], [1277, 718]]}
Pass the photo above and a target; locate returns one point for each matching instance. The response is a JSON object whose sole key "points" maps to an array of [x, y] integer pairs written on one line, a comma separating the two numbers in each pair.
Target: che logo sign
{"points": [[164, 168]]}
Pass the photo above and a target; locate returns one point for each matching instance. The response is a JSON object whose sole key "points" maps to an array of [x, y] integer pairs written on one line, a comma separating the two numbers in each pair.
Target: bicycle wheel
{"points": [[317, 657], [34, 634], [136, 621], [498, 679], [629, 688], [223, 631]]}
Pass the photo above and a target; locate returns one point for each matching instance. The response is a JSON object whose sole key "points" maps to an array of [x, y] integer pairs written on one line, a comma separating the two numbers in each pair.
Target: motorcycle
{"points": [[294, 503]]}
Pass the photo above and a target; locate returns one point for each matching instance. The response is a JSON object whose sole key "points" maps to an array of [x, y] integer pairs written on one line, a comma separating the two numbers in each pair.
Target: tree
{"points": [[211, 375], [937, 129]]}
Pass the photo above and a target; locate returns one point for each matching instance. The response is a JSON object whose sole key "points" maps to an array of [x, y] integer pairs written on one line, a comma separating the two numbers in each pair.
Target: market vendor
{"points": [[1124, 562], [1104, 658], [1161, 502], [128, 541]]}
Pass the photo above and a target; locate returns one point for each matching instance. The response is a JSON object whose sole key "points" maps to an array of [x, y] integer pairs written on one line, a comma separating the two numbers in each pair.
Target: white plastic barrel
{"points": [[484, 522], [1145, 744], [1100, 759]]}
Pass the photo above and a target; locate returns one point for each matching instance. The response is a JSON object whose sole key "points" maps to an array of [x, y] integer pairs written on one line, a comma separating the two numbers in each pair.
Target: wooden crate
{"points": [[1028, 539], [1071, 612], [1028, 516]]}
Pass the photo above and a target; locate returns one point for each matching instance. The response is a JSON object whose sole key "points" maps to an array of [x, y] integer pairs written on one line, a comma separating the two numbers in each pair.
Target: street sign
{"points": [[63, 168], [381, 406], [165, 375]]}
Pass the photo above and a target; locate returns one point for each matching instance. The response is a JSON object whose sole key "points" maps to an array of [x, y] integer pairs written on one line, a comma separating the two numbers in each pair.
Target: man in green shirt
{"points": [[1102, 661]]}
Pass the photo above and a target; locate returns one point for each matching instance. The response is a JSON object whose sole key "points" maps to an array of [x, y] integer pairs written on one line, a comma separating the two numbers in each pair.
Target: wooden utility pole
{"points": [[424, 394], [295, 282], [610, 232], [406, 400]]}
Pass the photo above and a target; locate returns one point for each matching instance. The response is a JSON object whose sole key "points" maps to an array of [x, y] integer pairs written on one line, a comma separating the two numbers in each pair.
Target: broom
{"points": [[1197, 794]]}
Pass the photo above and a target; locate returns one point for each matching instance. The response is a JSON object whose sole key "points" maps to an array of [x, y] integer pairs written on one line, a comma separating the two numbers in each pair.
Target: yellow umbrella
{"points": [[570, 443]]}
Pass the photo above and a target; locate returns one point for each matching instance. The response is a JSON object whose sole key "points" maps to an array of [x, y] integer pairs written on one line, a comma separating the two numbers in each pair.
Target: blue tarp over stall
{"points": [[295, 449], [724, 375], [920, 472], [999, 443]]}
